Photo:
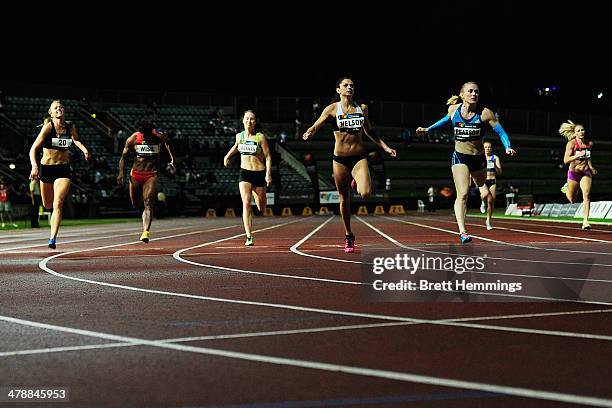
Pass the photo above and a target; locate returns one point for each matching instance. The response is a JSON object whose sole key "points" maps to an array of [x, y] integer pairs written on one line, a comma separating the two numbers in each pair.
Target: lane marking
{"points": [[316, 330], [494, 241], [177, 256], [345, 369]]}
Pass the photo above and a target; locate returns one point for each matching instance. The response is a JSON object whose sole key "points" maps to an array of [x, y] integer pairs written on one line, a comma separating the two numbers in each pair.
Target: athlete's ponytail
{"points": [[567, 130], [453, 100]]}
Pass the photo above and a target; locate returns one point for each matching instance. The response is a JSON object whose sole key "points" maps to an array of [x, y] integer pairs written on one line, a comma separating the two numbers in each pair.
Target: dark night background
{"points": [[403, 53]]}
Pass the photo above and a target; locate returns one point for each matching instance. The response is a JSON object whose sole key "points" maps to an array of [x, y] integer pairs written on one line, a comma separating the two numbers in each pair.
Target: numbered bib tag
{"points": [[146, 150], [61, 142], [350, 121], [247, 148]]}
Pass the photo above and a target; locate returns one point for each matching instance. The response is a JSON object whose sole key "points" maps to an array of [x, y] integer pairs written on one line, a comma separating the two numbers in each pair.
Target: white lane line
{"points": [[361, 371], [134, 232], [314, 330], [494, 241], [551, 221], [593, 302], [43, 265], [536, 233], [203, 338], [177, 256], [295, 247]]}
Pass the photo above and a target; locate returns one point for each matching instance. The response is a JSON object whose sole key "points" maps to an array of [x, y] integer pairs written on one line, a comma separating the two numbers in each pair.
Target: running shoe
{"points": [[249, 241], [349, 243], [483, 207], [564, 188], [465, 238], [488, 224], [586, 225], [52, 243], [145, 236]]}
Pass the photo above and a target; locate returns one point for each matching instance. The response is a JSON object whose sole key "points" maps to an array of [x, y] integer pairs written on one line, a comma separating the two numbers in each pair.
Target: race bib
{"points": [[247, 148], [147, 150], [350, 121], [61, 142]]}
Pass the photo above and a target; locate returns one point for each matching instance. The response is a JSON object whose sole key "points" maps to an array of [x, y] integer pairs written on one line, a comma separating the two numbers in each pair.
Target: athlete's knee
{"points": [[366, 192], [462, 195]]}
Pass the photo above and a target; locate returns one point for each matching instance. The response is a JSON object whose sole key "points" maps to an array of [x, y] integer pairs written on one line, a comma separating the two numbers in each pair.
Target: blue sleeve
{"points": [[502, 135], [442, 122]]}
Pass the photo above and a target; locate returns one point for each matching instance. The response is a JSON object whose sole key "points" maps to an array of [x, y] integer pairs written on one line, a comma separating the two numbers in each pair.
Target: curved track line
{"points": [[316, 365], [295, 247], [43, 265], [494, 241], [177, 256], [492, 273]]}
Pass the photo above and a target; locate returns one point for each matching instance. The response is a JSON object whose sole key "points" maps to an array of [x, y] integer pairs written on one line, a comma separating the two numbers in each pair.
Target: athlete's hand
{"points": [[421, 130], [34, 173], [593, 171], [87, 156], [391, 152], [120, 179], [226, 161], [268, 180], [308, 134], [510, 152]]}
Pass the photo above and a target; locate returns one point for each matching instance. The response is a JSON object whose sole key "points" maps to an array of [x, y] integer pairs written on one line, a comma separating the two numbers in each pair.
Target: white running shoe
{"points": [[488, 224], [483, 207]]}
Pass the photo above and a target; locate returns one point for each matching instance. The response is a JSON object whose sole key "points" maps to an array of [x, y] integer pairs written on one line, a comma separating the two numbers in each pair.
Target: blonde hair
{"points": [[455, 98], [568, 129]]}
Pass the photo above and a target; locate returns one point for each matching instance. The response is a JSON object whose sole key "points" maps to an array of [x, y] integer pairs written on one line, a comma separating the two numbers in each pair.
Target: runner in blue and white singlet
{"points": [[488, 191], [468, 161]]}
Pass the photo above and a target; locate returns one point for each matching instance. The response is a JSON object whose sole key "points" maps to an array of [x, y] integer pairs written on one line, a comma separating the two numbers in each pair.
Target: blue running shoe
{"points": [[52, 243], [465, 238]]}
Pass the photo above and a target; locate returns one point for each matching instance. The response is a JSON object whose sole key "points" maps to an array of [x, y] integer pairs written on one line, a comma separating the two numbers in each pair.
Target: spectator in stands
{"points": [[36, 202], [145, 143], [56, 137], [431, 199], [581, 170], [468, 119], [350, 122], [488, 191], [315, 109], [5, 204], [255, 169]]}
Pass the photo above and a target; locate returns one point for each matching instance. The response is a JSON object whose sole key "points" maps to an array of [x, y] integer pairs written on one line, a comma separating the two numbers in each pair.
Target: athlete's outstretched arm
{"points": [[169, 148], [489, 117], [129, 144], [439, 124], [78, 143], [498, 167], [231, 152], [369, 131], [265, 147], [35, 147], [326, 114]]}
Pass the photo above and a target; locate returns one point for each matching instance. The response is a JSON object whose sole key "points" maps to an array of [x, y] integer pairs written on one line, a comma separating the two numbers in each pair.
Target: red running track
{"points": [[195, 319]]}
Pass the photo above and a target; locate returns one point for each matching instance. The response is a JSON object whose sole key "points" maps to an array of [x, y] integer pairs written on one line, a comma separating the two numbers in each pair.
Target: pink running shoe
{"points": [[349, 244]]}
